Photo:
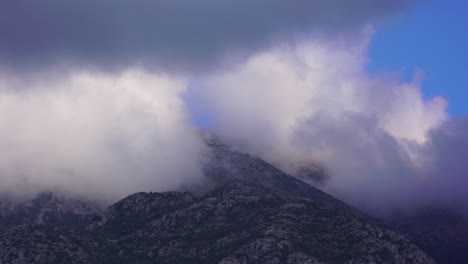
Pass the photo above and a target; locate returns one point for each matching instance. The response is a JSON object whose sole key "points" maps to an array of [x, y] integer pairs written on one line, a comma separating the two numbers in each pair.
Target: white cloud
{"points": [[316, 102], [96, 134]]}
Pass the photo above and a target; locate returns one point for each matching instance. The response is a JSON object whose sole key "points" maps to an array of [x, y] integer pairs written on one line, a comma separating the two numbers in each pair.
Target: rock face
{"points": [[252, 213]]}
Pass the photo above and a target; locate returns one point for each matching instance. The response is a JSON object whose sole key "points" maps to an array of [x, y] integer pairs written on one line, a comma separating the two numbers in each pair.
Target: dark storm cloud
{"points": [[175, 33]]}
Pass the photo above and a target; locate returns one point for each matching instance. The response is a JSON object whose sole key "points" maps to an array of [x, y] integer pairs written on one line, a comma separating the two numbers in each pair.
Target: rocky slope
{"points": [[50, 209], [250, 212], [441, 233]]}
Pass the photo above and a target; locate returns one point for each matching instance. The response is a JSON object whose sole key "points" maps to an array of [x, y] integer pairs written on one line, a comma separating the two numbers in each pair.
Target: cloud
{"points": [[445, 167], [297, 93], [315, 102], [96, 134], [175, 35]]}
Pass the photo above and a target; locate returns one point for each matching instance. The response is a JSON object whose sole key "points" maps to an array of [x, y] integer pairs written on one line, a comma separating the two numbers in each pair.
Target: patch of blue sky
{"points": [[431, 37]]}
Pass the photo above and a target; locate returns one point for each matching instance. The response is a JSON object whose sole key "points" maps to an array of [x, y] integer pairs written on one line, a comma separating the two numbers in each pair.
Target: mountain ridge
{"points": [[251, 212]]}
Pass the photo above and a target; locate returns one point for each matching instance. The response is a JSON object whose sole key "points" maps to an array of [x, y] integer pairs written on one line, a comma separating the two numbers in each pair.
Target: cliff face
{"points": [[250, 213]]}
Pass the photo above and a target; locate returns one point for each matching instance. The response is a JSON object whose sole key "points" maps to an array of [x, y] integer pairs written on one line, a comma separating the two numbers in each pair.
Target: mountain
{"points": [[49, 209], [442, 233], [247, 212]]}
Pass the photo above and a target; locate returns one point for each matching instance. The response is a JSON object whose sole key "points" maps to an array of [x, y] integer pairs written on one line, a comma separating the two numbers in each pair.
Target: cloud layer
{"points": [[176, 34]]}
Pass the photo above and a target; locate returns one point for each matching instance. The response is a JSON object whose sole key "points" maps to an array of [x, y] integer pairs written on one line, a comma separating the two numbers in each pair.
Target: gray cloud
{"points": [[445, 165], [172, 34]]}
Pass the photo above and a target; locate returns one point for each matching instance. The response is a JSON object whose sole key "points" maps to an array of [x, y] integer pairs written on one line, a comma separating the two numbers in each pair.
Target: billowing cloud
{"points": [[95, 134], [317, 103], [176, 34]]}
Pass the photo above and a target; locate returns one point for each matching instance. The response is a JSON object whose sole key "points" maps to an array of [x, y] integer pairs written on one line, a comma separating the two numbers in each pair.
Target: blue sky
{"points": [[432, 37]]}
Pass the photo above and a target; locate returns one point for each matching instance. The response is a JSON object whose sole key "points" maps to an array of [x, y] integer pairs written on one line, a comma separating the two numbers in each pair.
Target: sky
{"points": [[432, 38], [106, 98]]}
